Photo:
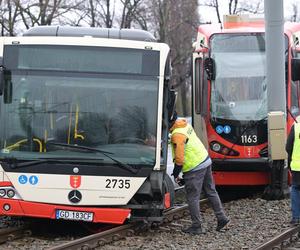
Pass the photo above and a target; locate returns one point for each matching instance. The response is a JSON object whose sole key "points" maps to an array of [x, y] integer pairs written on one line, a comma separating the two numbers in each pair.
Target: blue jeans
{"points": [[295, 202]]}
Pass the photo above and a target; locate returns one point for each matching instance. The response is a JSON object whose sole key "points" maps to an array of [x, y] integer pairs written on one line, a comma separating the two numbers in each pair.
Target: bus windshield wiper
{"points": [[106, 153], [15, 163], [75, 146]]}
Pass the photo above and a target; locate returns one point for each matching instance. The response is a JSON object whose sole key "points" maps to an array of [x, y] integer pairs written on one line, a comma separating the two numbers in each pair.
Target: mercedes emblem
{"points": [[75, 196]]}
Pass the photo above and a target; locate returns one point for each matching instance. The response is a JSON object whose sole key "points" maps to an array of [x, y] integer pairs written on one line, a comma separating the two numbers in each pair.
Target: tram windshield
{"points": [[239, 91], [100, 98]]}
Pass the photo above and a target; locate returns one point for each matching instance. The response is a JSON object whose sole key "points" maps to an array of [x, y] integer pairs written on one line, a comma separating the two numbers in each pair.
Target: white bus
{"points": [[83, 119]]}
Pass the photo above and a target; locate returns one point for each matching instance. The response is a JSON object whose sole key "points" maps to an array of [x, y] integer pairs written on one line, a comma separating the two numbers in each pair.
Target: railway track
{"points": [[285, 240], [117, 233], [10, 234]]}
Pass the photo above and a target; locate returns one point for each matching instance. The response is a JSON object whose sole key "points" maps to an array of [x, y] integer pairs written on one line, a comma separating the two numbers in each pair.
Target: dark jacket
{"points": [[289, 149]]}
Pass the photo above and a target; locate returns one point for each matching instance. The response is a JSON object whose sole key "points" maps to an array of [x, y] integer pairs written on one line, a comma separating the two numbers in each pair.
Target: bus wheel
{"points": [[278, 188], [169, 188]]}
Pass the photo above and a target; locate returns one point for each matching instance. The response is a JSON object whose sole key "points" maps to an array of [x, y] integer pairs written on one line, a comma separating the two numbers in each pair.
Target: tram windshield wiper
{"points": [[106, 153]]}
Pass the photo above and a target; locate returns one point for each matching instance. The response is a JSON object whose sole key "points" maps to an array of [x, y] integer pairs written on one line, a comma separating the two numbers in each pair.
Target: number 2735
{"points": [[117, 183]]}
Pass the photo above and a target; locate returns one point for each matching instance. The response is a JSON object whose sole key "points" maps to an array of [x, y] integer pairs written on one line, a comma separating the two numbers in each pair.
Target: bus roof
{"points": [[127, 34]]}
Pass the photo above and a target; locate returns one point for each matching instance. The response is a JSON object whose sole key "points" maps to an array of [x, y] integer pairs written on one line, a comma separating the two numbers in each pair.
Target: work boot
{"points": [[193, 230], [222, 224]]}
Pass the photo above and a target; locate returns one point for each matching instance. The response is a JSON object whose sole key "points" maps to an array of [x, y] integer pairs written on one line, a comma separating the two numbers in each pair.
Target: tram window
{"points": [[200, 88], [198, 83]]}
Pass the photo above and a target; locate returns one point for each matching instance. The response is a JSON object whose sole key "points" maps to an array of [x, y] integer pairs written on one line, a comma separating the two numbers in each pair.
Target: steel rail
{"points": [[97, 239], [278, 241], [10, 234], [119, 232]]}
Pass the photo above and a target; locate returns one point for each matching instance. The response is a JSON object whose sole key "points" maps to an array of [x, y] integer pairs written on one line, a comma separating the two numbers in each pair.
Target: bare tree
{"points": [[253, 7], [175, 22], [9, 10], [184, 23], [133, 11], [213, 4], [295, 12], [95, 13], [44, 12], [100, 13], [160, 11], [232, 6], [294, 16], [107, 14]]}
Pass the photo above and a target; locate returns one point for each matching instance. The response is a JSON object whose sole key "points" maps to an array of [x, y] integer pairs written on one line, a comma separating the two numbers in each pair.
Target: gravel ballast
{"points": [[253, 222]]}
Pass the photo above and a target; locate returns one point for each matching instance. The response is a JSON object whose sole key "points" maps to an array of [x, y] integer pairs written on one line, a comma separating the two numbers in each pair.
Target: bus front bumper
{"points": [[14, 207]]}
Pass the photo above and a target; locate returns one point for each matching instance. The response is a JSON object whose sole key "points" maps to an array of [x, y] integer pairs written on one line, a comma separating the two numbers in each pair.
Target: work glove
{"points": [[180, 182], [176, 170]]}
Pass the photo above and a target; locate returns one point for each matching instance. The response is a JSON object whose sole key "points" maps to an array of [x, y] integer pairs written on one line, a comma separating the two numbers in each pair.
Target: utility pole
{"points": [[276, 92]]}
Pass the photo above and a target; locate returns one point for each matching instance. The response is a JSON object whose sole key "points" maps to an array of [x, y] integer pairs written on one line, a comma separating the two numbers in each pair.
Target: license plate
{"points": [[74, 215]]}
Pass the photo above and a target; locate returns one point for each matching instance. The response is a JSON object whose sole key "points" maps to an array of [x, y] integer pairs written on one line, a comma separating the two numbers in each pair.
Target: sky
{"points": [[208, 14]]}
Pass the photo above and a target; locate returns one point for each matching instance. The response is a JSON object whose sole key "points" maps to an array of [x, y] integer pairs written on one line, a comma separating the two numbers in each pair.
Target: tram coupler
{"points": [[278, 188]]}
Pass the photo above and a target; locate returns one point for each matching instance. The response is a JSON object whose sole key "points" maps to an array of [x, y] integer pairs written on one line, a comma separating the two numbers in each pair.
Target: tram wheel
{"points": [[278, 188], [272, 193]]}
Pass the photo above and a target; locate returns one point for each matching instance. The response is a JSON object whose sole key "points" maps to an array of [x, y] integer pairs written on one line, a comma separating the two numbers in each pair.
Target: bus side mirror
{"points": [[7, 87], [1, 79], [210, 69], [1, 75], [295, 69], [172, 96]]}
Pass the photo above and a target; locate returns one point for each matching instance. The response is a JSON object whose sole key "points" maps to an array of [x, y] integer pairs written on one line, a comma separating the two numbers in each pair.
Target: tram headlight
{"points": [[216, 147], [222, 149], [225, 151], [10, 193], [2, 192]]}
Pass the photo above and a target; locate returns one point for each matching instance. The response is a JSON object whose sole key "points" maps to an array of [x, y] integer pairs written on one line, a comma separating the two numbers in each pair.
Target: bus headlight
{"points": [[10, 193]]}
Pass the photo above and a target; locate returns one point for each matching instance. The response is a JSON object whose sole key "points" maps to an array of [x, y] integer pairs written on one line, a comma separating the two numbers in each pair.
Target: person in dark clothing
{"points": [[293, 151]]}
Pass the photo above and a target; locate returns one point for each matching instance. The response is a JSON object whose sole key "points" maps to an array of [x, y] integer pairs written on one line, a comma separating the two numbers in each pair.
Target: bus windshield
{"points": [[239, 91], [111, 106]]}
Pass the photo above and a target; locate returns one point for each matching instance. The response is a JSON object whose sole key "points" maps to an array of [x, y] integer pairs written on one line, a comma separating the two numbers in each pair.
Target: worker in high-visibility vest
{"points": [[191, 158], [293, 150]]}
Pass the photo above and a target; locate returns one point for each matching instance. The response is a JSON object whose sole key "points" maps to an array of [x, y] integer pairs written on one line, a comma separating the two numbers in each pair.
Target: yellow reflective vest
{"points": [[295, 162], [194, 150]]}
